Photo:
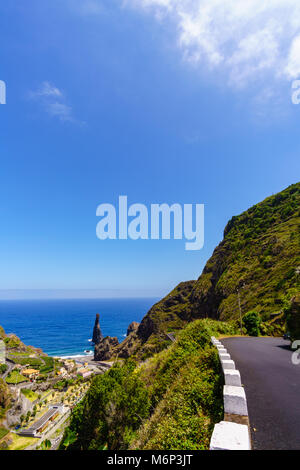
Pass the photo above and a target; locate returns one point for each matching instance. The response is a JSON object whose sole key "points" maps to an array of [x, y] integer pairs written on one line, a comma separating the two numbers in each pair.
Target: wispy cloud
{"points": [[246, 40], [46, 90], [54, 102]]}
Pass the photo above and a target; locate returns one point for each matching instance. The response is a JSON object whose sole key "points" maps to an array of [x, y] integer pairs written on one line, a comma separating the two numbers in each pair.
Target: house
{"points": [[62, 372], [30, 373], [85, 373]]}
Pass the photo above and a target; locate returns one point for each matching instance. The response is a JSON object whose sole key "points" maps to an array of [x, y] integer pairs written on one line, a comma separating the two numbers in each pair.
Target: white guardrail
{"points": [[234, 432]]}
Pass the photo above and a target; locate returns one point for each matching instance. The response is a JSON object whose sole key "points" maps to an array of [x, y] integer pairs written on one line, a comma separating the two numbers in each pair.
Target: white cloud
{"points": [[245, 39], [48, 90], [53, 101], [60, 110]]}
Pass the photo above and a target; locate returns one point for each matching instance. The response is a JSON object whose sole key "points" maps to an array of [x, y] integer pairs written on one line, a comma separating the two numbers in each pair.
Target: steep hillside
{"points": [[259, 255], [171, 401]]}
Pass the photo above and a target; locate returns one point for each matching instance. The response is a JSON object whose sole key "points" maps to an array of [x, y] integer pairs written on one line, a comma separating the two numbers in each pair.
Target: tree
{"points": [[46, 445], [292, 314], [252, 322], [3, 368], [69, 438], [28, 416], [112, 411]]}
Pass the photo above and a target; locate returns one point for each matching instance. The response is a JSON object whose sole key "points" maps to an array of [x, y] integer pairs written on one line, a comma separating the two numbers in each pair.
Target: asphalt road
{"points": [[272, 386], [10, 366]]}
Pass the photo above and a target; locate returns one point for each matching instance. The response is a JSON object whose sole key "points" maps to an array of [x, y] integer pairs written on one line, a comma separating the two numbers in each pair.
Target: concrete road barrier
{"points": [[228, 364], [224, 356], [232, 377], [235, 400], [232, 433], [230, 436]]}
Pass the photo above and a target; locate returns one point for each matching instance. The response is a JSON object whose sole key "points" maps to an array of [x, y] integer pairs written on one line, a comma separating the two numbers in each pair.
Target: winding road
{"points": [[272, 386]]}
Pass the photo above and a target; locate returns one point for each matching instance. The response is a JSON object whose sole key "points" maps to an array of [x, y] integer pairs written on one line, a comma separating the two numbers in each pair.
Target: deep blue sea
{"points": [[64, 327]]}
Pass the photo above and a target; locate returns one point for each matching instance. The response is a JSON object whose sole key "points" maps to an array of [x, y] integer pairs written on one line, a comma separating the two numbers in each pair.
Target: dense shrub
{"points": [[252, 322], [171, 401], [292, 313], [112, 411], [3, 368]]}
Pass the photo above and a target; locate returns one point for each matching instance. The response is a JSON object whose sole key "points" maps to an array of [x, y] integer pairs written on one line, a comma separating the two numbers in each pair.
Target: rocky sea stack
{"points": [[103, 346], [108, 347], [97, 334]]}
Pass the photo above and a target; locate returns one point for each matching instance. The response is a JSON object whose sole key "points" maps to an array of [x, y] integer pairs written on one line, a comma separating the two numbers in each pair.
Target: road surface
{"points": [[272, 386], [10, 366]]}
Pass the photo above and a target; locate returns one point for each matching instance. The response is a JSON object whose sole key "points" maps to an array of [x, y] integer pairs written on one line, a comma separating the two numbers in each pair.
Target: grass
{"points": [[3, 432], [15, 378], [20, 442], [29, 394]]}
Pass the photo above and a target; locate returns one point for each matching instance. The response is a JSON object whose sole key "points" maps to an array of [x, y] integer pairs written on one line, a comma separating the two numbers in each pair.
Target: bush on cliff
{"points": [[5, 398], [171, 401], [114, 408]]}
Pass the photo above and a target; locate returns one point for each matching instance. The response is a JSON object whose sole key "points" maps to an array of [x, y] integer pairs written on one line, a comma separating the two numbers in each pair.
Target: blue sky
{"points": [[162, 101]]}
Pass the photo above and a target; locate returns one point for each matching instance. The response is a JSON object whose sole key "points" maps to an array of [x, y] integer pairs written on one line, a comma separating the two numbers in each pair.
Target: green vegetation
{"points": [[48, 365], [5, 398], [3, 368], [112, 410], [172, 401], [63, 384], [29, 394], [12, 341], [19, 442], [45, 445], [44, 364], [252, 322], [24, 360], [15, 377], [3, 432], [292, 313]]}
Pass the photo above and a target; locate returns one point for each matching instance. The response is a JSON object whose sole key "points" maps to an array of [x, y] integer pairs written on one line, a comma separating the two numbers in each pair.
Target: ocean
{"points": [[65, 327]]}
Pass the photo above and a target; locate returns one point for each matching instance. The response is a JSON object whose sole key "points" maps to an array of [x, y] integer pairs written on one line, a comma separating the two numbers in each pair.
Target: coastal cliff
{"points": [[257, 259]]}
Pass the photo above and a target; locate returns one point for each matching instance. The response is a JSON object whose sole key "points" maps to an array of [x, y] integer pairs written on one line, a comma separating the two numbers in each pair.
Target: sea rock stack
{"points": [[97, 335]]}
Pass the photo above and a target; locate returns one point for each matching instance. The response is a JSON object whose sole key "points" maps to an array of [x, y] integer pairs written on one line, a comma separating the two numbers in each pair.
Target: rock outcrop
{"points": [[104, 350], [97, 334]]}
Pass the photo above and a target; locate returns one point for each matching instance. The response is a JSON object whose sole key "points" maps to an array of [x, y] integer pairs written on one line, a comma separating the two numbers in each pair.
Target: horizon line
{"points": [[77, 294]]}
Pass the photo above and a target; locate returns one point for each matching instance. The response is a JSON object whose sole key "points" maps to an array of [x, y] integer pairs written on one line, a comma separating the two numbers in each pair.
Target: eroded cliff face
{"points": [[104, 350]]}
